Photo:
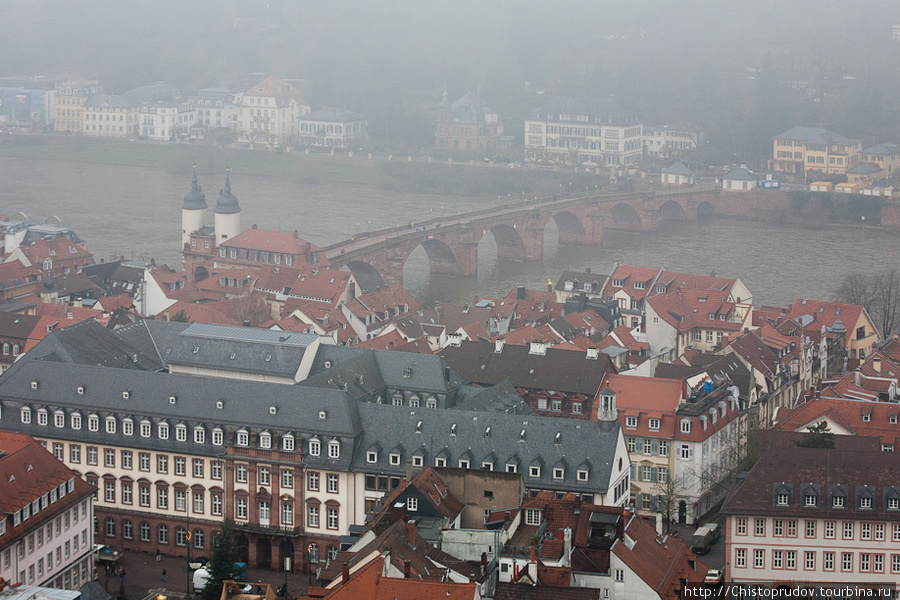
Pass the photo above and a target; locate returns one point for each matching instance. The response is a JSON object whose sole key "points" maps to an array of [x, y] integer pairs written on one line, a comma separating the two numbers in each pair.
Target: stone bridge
{"points": [[451, 244]]}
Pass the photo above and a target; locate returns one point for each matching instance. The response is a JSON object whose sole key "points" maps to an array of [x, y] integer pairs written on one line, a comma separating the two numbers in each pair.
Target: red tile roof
{"points": [[369, 584], [645, 398], [629, 275], [388, 341], [271, 241], [57, 249], [686, 309], [848, 414]]}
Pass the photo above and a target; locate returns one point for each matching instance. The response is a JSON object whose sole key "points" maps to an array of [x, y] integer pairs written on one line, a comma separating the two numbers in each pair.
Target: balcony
{"points": [[273, 530]]}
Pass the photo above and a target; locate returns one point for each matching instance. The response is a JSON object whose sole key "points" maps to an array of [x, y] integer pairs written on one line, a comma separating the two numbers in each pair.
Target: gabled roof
{"points": [[272, 241], [677, 169], [274, 87], [826, 313], [739, 174], [686, 308], [333, 115], [885, 149], [649, 397], [815, 135], [847, 413], [429, 486], [90, 343], [562, 370], [56, 249]]}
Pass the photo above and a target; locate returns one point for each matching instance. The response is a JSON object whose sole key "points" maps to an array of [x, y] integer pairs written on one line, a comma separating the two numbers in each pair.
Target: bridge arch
{"points": [[441, 258], [509, 242], [705, 211], [671, 211], [625, 217], [366, 275], [571, 229], [200, 273]]}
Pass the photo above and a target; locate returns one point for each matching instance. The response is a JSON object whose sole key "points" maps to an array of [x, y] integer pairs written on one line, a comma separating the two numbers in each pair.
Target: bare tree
{"points": [[879, 294]]}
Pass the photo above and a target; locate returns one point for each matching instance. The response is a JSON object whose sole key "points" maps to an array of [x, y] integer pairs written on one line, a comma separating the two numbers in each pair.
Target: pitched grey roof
{"points": [[245, 349], [884, 149], [227, 203], [90, 343], [430, 430], [740, 173], [333, 115], [99, 100], [244, 404], [814, 135], [502, 397], [864, 169], [678, 169]]}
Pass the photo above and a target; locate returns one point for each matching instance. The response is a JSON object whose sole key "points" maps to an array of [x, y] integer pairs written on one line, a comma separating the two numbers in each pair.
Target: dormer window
{"points": [[372, 457], [559, 473], [395, 459], [865, 503], [287, 442], [654, 424], [685, 426], [218, 437], [534, 471], [631, 422], [810, 501], [265, 440], [181, 433], [243, 438], [867, 417], [783, 499], [334, 449], [837, 502], [639, 285], [582, 475], [892, 419], [199, 435], [617, 282]]}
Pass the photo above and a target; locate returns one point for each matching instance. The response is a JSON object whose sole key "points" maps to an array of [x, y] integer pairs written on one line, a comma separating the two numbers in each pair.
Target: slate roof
{"points": [[108, 100], [244, 404], [885, 149], [739, 174], [864, 169], [14, 325], [502, 397], [815, 135], [429, 431], [247, 349], [824, 467], [560, 370], [677, 169], [90, 343]]}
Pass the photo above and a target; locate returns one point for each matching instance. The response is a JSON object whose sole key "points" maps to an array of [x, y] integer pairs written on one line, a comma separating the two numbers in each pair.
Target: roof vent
{"points": [[233, 355], [34, 385], [220, 405], [558, 438], [268, 357], [453, 429], [126, 395], [321, 415], [419, 426], [172, 399], [80, 390], [273, 410], [327, 364], [196, 349]]}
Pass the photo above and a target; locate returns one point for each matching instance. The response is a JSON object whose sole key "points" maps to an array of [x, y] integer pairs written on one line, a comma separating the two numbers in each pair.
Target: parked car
{"points": [[713, 577]]}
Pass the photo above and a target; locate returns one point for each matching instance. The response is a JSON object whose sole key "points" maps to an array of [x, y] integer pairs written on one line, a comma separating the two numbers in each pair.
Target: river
{"points": [[136, 212]]}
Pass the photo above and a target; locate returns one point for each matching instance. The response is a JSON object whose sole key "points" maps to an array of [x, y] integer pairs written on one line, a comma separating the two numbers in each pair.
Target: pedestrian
{"points": [[158, 556], [165, 576], [124, 576]]}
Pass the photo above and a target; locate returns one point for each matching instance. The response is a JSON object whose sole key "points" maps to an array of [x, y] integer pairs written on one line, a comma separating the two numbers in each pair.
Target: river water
{"points": [[136, 212]]}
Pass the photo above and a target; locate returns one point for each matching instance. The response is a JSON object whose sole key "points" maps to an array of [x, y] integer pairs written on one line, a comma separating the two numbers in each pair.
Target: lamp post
{"points": [[309, 565], [187, 536], [286, 561]]}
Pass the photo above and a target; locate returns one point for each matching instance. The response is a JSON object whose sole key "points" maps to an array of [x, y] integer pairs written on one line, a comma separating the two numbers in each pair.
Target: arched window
{"points": [[243, 438], [287, 442], [265, 440]]}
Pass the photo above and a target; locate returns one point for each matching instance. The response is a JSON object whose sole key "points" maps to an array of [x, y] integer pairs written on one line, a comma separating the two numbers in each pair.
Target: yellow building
{"points": [[68, 105], [270, 112], [110, 116], [803, 149]]}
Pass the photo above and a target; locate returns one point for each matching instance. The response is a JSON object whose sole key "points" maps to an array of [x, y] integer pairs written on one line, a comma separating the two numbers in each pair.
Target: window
{"points": [[759, 559], [240, 473], [809, 562], [181, 433], [145, 531], [312, 479], [790, 559], [93, 423], [631, 422], [265, 440], [777, 559], [314, 447], [180, 500], [198, 502], [162, 497], [312, 518], [371, 457], [846, 561], [243, 438], [287, 479], [412, 504], [145, 429], [810, 500], [163, 534], [162, 431], [144, 461], [144, 495], [109, 458], [128, 427], [110, 425], [264, 476], [26, 415], [631, 443], [620, 575], [180, 465], [865, 503], [110, 493], [334, 449], [534, 471], [332, 518], [216, 501], [848, 530], [685, 426], [740, 557], [777, 527], [837, 502], [215, 468], [829, 530], [759, 527], [91, 455], [685, 452], [241, 508], [127, 529], [654, 424], [663, 448], [332, 483], [287, 443], [810, 529], [741, 525], [783, 499], [198, 468], [865, 531], [162, 463], [879, 532], [199, 435]]}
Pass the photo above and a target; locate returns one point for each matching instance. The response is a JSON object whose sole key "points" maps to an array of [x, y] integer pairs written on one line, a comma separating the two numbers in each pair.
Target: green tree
{"points": [[181, 317], [818, 437], [221, 562]]}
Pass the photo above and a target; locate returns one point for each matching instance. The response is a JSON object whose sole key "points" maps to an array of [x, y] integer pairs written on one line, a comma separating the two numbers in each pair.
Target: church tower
{"points": [[193, 210], [228, 214]]}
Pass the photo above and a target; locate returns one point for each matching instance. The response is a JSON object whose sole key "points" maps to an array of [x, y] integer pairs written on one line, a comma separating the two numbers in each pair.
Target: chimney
{"points": [[593, 353], [484, 562], [856, 376], [532, 567], [407, 569], [411, 533], [345, 573], [659, 528], [549, 286], [498, 345], [876, 364], [447, 374], [253, 226], [520, 292], [409, 466], [567, 547]]}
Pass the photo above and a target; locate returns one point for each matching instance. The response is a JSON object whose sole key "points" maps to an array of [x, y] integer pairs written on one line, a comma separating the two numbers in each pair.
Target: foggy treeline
{"points": [[740, 72]]}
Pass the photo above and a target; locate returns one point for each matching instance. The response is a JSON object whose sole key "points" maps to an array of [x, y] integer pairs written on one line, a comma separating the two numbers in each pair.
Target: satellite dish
{"points": [[20, 216], [53, 220]]}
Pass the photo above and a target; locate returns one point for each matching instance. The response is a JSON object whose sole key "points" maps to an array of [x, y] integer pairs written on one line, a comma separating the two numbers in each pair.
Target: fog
{"points": [[740, 72]]}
